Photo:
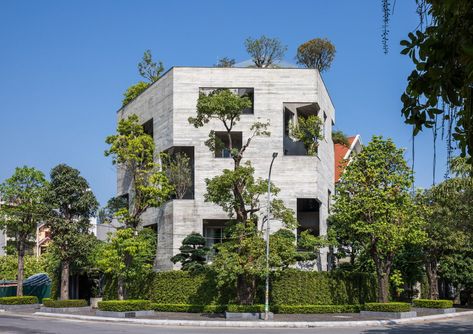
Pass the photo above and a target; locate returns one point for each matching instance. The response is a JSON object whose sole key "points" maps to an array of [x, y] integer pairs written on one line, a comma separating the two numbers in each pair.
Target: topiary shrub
{"points": [[23, 300], [189, 308], [125, 305], [387, 307], [316, 309], [429, 303], [64, 303]]}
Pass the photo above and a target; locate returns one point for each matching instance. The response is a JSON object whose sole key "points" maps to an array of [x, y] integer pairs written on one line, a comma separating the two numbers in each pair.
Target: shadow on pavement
{"points": [[428, 328]]}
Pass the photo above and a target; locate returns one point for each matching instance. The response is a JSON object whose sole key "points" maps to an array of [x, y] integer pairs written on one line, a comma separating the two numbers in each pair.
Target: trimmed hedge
{"points": [[23, 300], [64, 303], [429, 303], [189, 308], [295, 287], [316, 309], [256, 308], [387, 307], [125, 305]]}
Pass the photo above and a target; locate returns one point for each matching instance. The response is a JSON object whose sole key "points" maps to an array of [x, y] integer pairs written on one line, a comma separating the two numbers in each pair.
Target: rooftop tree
{"points": [[317, 53], [265, 51], [374, 207], [73, 205], [21, 209]]}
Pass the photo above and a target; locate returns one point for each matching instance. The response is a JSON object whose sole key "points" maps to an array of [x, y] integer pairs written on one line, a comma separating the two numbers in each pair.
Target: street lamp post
{"points": [[268, 212]]}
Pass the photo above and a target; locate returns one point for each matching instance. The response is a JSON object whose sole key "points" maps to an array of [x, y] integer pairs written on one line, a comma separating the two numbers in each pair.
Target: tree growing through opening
{"points": [[265, 51], [317, 53], [21, 209]]}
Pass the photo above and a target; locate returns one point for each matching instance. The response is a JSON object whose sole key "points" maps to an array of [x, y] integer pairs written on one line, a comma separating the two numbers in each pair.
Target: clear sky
{"points": [[65, 64]]}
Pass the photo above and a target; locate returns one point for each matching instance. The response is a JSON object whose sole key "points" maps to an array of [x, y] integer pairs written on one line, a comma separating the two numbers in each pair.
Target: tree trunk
{"points": [[65, 280], [432, 277], [21, 268], [246, 289], [120, 289], [383, 287]]}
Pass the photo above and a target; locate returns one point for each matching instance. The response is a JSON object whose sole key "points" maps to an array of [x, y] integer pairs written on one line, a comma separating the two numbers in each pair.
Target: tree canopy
{"points": [[265, 51], [317, 53]]}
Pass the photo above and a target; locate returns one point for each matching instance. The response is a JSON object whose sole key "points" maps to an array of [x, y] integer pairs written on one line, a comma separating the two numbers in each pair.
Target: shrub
{"points": [[190, 308], [314, 309], [64, 303], [257, 308], [428, 303], [387, 307], [125, 305], [295, 287], [24, 300]]}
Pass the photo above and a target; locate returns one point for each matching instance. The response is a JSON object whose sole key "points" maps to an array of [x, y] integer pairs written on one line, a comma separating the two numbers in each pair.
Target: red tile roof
{"points": [[339, 154]]}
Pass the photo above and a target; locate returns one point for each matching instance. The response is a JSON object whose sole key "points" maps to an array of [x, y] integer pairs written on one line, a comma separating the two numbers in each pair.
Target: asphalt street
{"points": [[26, 325]]}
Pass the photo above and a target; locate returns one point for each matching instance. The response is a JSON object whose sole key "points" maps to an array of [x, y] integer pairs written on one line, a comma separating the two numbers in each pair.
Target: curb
{"points": [[256, 324]]}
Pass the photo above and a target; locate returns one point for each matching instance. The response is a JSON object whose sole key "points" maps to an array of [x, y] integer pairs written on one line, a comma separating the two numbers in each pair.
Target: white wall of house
{"points": [[172, 100]]}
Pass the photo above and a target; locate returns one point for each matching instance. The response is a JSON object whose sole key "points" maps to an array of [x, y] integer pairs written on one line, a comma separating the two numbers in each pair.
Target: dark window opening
{"points": [[214, 233], [308, 216], [243, 92], [148, 128], [222, 143]]}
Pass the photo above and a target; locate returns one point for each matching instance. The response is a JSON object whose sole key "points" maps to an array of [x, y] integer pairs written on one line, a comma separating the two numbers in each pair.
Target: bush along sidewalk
{"points": [[125, 308], [316, 309], [19, 303], [434, 306], [64, 306], [393, 310]]}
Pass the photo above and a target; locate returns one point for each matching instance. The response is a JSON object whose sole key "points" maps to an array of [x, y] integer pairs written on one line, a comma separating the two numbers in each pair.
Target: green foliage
{"points": [[33, 265], [373, 209], [133, 91], [128, 257], [428, 303], [225, 62], [265, 51], [22, 300], [182, 287], [64, 303], [317, 53], [387, 307], [316, 309], [293, 287], [193, 253], [339, 137], [125, 305], [308, 130], [149, 69], [442, 53], [179, 172], [188, 308], [255, 308], [132, 149]]}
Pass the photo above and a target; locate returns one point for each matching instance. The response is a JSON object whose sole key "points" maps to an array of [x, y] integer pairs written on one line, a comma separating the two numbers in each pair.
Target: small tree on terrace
{"points": [[317, 53], [133, 151], [308, 130], [22, 208], [374, 205], [73, 205], [265, 51], [179, 171]]}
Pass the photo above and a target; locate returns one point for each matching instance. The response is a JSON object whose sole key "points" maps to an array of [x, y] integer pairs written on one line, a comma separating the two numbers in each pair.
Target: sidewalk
{"points": [[281, 321]]}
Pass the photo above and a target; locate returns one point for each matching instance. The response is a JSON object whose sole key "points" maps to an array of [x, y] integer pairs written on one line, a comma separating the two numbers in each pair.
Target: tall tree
{"points": [[73, 205], [374, 205], [265, 51], [133, 151], [317, 53], [241, 258], [440, 88], [21, 208]]}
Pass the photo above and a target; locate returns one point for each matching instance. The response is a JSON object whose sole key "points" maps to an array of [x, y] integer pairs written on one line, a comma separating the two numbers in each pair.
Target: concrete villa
{"points": [[278, 95]]}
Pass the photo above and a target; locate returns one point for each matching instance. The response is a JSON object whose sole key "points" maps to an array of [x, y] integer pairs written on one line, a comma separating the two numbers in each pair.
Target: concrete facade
{"points": [[171, 100]]}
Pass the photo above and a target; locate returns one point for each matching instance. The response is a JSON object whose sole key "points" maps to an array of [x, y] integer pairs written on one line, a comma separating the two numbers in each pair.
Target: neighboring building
{"points": [[344, 154], [278, 95]]}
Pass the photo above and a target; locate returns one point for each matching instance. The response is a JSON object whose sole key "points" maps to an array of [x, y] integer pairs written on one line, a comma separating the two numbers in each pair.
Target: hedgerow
{"points": [[23, 300], [428, 303]]}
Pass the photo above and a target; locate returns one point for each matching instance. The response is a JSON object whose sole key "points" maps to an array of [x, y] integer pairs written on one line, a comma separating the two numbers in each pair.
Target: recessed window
{"points": [[148, 128], [308, 211], [243, 92], [222, 143]]}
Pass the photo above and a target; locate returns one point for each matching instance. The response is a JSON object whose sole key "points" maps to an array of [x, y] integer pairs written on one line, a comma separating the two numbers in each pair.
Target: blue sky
{"points": [[65, 64]]}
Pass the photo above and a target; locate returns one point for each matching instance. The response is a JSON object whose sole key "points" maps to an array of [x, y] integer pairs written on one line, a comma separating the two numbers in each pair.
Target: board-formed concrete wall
{"points": [[172, 100]]}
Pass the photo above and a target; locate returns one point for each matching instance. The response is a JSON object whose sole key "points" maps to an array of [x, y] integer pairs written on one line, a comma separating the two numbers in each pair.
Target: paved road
{"points": [[35, 325]]}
